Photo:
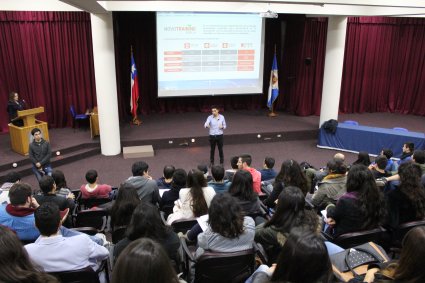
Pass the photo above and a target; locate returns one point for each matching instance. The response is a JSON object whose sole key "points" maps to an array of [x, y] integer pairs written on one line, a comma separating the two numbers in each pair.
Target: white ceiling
{"points": [[413, 8]]}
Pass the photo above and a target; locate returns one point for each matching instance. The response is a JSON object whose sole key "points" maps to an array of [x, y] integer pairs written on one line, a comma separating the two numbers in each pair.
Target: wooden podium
{"points": [[20, 137]]}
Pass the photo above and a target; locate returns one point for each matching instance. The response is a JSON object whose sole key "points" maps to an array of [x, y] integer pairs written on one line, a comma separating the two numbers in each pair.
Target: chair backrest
{"points": [[95, 218], [402, 230], [225, 267], [183, 225], [118, 234], [400, 129], [351, 122], [352, 239], [72, 109], [91, 202], [85, 275]]}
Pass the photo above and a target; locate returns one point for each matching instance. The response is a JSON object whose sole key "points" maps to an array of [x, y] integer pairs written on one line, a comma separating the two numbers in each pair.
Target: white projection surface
{"points": [[205, 54]]}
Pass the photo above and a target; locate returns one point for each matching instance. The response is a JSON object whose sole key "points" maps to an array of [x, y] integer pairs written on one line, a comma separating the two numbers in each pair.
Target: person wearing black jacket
{"points": [[13, 106], [39, 153]]}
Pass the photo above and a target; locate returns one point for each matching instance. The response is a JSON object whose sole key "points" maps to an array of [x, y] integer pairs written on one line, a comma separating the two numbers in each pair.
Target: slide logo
{"points": [[187, 29]]}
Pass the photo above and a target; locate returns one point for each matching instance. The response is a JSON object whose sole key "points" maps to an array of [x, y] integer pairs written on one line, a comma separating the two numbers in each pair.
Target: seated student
{"points": [[48, 187], [407, 201], [92, 189], [241, 190], [268, 173], [218, 183], [408, 149], [363, 158], [303, 259], [228, 229], [165, 181], [361, 208], [61, 186], [204, 169], [53, 252], [146, 222], [144, 261], [409, 267], [290, 174], [228, 175], [10, 179], [147, 188], [123, 207], [194, 200], [244, 163], [391, 165], [15, 265], [290, 213], [378, 168], [169, 197], [332, 187]]}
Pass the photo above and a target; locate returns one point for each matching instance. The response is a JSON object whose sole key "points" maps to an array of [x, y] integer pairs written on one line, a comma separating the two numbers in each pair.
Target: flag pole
{"points": [[135, 119], [272, 113]]}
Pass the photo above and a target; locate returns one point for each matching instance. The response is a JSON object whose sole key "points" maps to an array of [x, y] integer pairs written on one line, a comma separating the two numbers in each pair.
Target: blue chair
{"points": [[400, 129], [77, 118], [351, 122]]}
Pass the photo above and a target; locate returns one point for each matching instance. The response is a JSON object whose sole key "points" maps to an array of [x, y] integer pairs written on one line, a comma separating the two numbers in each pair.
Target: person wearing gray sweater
{"points": [[146, 187], [39, 153]]}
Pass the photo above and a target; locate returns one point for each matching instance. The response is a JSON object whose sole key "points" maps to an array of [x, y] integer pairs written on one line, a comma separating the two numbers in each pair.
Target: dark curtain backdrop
{"points": [[300, 85], [384, 66], [47, 57]]}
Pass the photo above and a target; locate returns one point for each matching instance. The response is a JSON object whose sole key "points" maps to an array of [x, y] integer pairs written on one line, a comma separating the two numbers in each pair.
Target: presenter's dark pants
{"points": [[216, 140]]}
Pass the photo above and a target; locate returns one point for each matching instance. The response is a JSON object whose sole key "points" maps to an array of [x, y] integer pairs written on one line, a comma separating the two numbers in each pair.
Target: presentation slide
{"points": [[205, 54]]}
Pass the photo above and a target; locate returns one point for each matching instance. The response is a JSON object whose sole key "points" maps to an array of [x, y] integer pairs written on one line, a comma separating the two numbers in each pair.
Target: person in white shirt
{"points": [[55, 253]]}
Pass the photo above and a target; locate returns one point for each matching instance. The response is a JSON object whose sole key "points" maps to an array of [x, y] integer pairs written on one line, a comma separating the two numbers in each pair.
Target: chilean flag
{"points": [[134, 89]]}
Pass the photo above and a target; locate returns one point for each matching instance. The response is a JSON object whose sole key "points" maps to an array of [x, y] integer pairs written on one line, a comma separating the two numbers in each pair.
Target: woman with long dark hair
{"points": [[363, 159], [406, 202], [194, 200], [290, 213], [146, 222], [144, 261], [123, 207], [290, 174], [61, 186], [15, 265], [228, 230], [361, 208], [303, 259], [410, 267], [241, 189]]}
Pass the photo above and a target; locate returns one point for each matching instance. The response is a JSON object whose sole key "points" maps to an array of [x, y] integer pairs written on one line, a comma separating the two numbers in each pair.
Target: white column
{"points": [[335, 44], [106, 86]]}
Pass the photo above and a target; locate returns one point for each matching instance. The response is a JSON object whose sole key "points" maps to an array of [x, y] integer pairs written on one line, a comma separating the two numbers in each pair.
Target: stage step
{"points": [[137, 151]]}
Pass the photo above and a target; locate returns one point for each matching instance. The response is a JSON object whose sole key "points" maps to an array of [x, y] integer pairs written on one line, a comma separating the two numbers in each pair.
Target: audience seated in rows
{"points": [[194, 200], [11, 178], [267, 172], [54, 252], [144, 261], [332, 187], [244, 163], [62, 189], [303, 259], [92, 189], [218, 183], [167, 177], [407, 201], [290, 174], [241, 190], [361, 208], [147, 188], [290, 213], [168, 198], [123, 207], [409, 267], [15, 265], [228, 230], [146, 222], [228, 175]]}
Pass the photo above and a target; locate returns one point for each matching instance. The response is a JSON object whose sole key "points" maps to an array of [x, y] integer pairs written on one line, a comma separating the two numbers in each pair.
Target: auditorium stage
{"points": [[175, 130]]}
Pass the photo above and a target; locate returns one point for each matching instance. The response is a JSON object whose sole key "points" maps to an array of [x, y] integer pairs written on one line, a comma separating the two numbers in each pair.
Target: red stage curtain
{"points": [[47, 58], [384, 66]]}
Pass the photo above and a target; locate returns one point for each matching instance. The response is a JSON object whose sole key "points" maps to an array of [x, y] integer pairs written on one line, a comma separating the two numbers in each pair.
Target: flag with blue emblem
{"points": [[274, 85], [134, 91]]}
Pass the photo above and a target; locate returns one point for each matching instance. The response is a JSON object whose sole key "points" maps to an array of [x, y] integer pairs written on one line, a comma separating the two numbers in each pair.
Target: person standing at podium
{"points": [[13, 106], [40, 152]]}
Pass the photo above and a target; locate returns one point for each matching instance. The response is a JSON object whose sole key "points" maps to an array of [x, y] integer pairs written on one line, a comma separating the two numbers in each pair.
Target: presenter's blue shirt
{"points": [[215, 124]]}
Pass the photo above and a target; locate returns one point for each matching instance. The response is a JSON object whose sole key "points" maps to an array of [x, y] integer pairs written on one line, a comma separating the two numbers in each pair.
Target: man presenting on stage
{"points": [[216, 124]]}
